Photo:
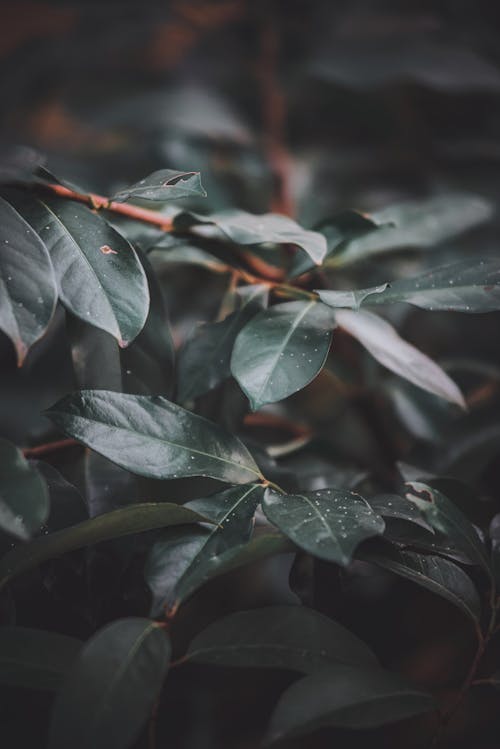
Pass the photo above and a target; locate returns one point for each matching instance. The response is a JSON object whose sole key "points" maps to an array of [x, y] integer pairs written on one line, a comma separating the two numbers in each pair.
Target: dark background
{"points": [[303, 107]]}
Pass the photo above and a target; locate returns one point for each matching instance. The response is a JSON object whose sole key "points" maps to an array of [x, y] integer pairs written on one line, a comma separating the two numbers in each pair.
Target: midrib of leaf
{"points": [[320, 516], [128, 660], [281, 348], [176, 444], [82, 254], [215, 530]]}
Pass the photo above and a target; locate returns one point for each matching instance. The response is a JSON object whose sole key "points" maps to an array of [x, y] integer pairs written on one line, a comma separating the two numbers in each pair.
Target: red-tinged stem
{"points": [[98, 202], [49, 447]]}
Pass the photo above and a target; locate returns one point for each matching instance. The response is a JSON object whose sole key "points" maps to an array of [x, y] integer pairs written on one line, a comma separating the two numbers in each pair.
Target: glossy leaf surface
{"points": [[467, 286], [281, 350], [447, 518], [268, 228], [164, 184], [99, 275], [329, 523], [153, 437], [176, 564], [28, 291], [436, 574]]}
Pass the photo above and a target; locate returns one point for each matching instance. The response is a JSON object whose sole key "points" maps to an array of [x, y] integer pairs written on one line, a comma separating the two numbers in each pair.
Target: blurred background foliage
{"points": [[306, 107]]}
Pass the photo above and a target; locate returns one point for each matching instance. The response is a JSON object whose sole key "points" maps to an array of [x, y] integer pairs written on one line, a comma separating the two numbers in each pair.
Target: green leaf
{"points": [[171, 558], [205, 359], [122, 522], [466, 286], [387, 347], [436, 574], [28, 291], [447, 518], [35, 659], [281, 350], [416, 224], [351, 299], [338, 231], [269, 228], [329, 523], [24, 497], [153, 437], [99, 275], [112, 687], [345, 696], [164, 184], [291, 637], [176, 564], [394, 506]]}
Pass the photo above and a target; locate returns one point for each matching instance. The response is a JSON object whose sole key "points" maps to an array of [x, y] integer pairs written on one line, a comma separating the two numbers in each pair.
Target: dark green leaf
{"points": [[35, 659], [28, 291], [269, 228], [99, 275], [394, 506], [467, 286], [122, 522], [447, 518], [153, 437], [112, 687], [388, 348], [416, 224], [205, 359], [338, 231], [345, 696], [281, 350], [176, 564], [172, 557], [434, 573], [24, 498], [329, 523], [352, 299], [164, 184], [290, 637]]}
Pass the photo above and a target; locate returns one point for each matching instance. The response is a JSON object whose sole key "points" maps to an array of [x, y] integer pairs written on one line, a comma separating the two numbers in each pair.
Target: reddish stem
{"points": [[98, 202], [49, 447]]}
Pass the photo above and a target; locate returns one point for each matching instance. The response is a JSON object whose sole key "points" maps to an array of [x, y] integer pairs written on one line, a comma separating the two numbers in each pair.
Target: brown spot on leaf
{"points": [[106, 250]]}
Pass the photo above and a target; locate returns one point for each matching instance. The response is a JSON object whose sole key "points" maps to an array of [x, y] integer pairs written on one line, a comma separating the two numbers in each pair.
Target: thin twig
{"points": [[98, 202], [49, 447]]}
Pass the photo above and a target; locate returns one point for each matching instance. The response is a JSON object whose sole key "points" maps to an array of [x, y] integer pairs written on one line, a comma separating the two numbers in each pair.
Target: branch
{"points": [[49, 447], [98, 202]]}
